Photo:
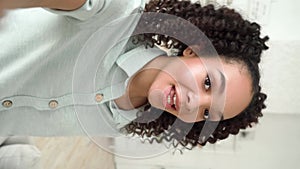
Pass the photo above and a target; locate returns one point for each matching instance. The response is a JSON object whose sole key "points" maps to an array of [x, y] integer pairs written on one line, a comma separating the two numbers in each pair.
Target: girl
{"points": [[56, 69]]}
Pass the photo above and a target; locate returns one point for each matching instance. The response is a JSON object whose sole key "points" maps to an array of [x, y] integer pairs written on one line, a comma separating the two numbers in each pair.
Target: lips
{"points": [[171, 99]]}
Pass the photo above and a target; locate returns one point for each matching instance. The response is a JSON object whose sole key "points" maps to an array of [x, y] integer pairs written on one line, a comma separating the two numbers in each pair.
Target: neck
{"points": [[141, 82], [137, 91]]}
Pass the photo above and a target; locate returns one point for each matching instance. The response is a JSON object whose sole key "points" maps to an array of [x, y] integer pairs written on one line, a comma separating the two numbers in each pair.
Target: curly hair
{"points": [[234, 38]]}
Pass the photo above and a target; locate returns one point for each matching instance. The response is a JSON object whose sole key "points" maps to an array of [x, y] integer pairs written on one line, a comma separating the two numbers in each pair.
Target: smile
{"points": [[172, 99]]}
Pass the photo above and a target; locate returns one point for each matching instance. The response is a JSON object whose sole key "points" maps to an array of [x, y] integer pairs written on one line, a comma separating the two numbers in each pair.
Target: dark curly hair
{"points": [[234, 38]]}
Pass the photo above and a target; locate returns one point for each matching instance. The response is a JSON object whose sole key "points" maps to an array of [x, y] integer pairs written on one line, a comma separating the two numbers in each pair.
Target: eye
{"points": [[207, 83], [206, 114]]}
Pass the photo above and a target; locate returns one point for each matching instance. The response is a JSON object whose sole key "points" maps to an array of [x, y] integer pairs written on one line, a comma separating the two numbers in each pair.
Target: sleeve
{"points": [[2, 139], [86, 11], [18, 152], [19, 156]]}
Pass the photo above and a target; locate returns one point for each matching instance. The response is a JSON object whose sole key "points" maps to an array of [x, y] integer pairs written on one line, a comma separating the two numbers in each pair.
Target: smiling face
{"points": [[195, 89]]}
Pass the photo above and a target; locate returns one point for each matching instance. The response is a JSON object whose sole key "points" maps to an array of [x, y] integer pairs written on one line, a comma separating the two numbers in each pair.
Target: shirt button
{"points": [[7, 103], [53, 104], [99, 97]]}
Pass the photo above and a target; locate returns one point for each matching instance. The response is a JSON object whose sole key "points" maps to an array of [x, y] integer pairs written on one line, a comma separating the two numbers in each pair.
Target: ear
{"points": [[188, 52]]}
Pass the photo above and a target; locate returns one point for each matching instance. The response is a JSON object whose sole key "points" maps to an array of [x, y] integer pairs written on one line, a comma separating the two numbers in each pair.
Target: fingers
{"points": [[1, 10]]}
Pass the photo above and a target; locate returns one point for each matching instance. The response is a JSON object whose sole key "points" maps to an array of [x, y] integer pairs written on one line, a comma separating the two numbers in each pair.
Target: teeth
{"points": [[174, 100], [169, 99]]}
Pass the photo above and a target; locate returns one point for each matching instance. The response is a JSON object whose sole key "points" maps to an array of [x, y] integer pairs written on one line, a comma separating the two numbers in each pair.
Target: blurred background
{"points": [[272, 144]]}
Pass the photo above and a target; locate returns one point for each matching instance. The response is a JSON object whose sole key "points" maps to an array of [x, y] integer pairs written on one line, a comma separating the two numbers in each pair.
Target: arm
{"points": [[55, 4]]}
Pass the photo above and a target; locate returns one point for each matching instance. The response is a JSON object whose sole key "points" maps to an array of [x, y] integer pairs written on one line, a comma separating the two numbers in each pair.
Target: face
{"points": [[195, 89]]}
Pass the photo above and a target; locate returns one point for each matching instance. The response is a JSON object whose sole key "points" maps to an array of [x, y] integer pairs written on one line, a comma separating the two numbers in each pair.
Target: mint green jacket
{"points": [[60, 71]]}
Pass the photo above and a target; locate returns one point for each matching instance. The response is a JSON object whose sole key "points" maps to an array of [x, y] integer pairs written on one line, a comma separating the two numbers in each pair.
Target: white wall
{"points": [[280, 77], [280, 65]]}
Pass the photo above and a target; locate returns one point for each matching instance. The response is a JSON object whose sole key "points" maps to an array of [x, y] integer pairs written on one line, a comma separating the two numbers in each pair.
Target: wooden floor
{"points": [[72, 153]]}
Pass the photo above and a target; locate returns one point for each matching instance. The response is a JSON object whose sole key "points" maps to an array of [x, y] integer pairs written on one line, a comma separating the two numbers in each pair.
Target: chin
{"points": [[155, 104]]}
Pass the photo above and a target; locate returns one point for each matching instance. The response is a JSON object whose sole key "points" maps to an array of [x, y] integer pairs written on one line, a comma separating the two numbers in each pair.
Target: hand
{"points": [[2, 9], [56, 4]]}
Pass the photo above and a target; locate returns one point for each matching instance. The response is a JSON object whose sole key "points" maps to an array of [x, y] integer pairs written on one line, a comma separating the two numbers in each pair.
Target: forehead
{"points": [[238, 88]]}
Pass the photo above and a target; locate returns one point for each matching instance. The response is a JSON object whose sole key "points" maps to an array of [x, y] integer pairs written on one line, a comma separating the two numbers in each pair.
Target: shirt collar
{"points": [[133, 60]]}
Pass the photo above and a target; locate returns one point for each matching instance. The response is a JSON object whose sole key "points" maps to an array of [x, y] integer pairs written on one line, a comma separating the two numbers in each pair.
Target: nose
{"points": [[195, 101]]}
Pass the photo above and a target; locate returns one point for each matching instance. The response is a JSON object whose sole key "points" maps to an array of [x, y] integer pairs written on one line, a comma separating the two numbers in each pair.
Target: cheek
{"points": [[162, 80], [188, 76], [155, 98], [190, 118], [193, 74], [156, 91]]}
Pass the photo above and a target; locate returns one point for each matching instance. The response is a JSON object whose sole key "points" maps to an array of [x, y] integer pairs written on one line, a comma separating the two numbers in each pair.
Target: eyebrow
{"points": [[222, 79], [221, 90]]}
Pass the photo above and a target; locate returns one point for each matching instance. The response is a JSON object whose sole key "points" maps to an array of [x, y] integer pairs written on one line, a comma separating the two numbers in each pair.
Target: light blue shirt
{"points": [[53, 69]]}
